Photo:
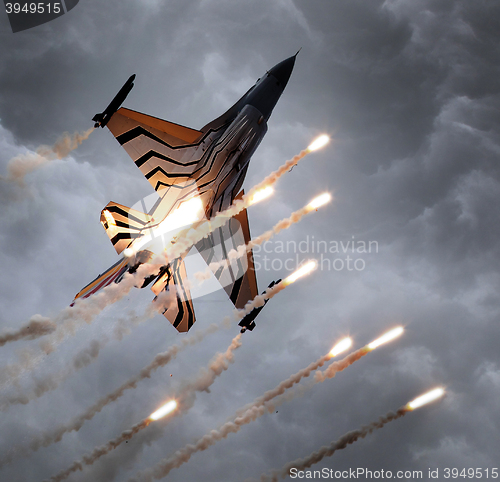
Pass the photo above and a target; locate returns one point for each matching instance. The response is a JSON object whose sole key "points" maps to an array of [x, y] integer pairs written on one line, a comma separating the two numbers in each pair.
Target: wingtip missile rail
{"points": [[102, 119]]}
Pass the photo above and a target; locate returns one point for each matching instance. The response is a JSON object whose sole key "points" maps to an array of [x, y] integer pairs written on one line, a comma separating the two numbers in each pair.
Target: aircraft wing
{"points": [[237, 278], [162, 150]]}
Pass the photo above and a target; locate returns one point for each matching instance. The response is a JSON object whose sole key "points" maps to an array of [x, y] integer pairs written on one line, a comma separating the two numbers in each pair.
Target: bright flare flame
{"points": [[319, 201], [109, 218], [341, 346], [306, 269], [165, 410], [390, 335], [186, 214], [262, 194], [128, 252], [318, 143], [426, 398]]}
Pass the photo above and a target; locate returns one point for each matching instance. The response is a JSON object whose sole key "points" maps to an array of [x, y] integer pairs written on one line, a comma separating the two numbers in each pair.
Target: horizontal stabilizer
{"points": [[112, 275], [123, 224]]}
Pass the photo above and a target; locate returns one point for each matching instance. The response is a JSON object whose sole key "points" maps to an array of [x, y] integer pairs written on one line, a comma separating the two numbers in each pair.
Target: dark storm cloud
{"points": [[409, 91], [51, 83]]}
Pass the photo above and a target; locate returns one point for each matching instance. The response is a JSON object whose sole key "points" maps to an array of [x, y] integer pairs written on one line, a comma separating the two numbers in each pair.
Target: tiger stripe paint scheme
{"points": [[112, 275], [181, 164]]}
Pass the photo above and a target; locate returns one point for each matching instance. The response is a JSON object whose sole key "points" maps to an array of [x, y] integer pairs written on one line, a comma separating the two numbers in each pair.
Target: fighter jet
{"points": [[248, 321], [196, 174], [102, 119]]}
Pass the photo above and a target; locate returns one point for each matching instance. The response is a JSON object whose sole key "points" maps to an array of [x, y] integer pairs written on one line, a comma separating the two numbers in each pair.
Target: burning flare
{"points": [[261, 194], [219, 363], [425, 398], [389, 336], [165, 410], [242, 249], [187, 238], [350, 438], [340, 347], [186, 214], [329, 450], [267, 403], [318, 143], [306, 269], [128, 252], [319, 201]]}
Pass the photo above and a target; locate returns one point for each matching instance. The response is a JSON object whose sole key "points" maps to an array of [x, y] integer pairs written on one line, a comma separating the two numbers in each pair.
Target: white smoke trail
{"points": [[268, 181], [190, 237], [285, 223], [258, 408], [328, 450], [188, 395], [23, 164], [89, 308], [185, 400], [67, 320], [160, 360], [98, 452], [37, 326], [70, 319], [284, 385], [83, 358], [51, 383]]}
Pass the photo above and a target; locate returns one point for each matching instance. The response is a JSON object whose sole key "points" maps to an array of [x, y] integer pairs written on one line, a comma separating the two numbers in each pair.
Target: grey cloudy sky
{"points": [[409, 91]]}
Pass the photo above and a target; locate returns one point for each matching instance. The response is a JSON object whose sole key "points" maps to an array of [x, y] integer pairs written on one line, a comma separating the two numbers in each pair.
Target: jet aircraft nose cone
{"points": [[283, 70]]}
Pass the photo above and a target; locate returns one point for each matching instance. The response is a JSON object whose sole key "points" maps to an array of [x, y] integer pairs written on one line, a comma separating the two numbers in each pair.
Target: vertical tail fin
{"points": [[238, 275]]}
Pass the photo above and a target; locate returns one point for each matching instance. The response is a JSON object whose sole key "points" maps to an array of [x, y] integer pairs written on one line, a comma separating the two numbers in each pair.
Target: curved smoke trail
{"points": [[23, 164], [258, 408], [37, 326], [81, 360], [285, 223], [185, 399], [328, 450]]}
